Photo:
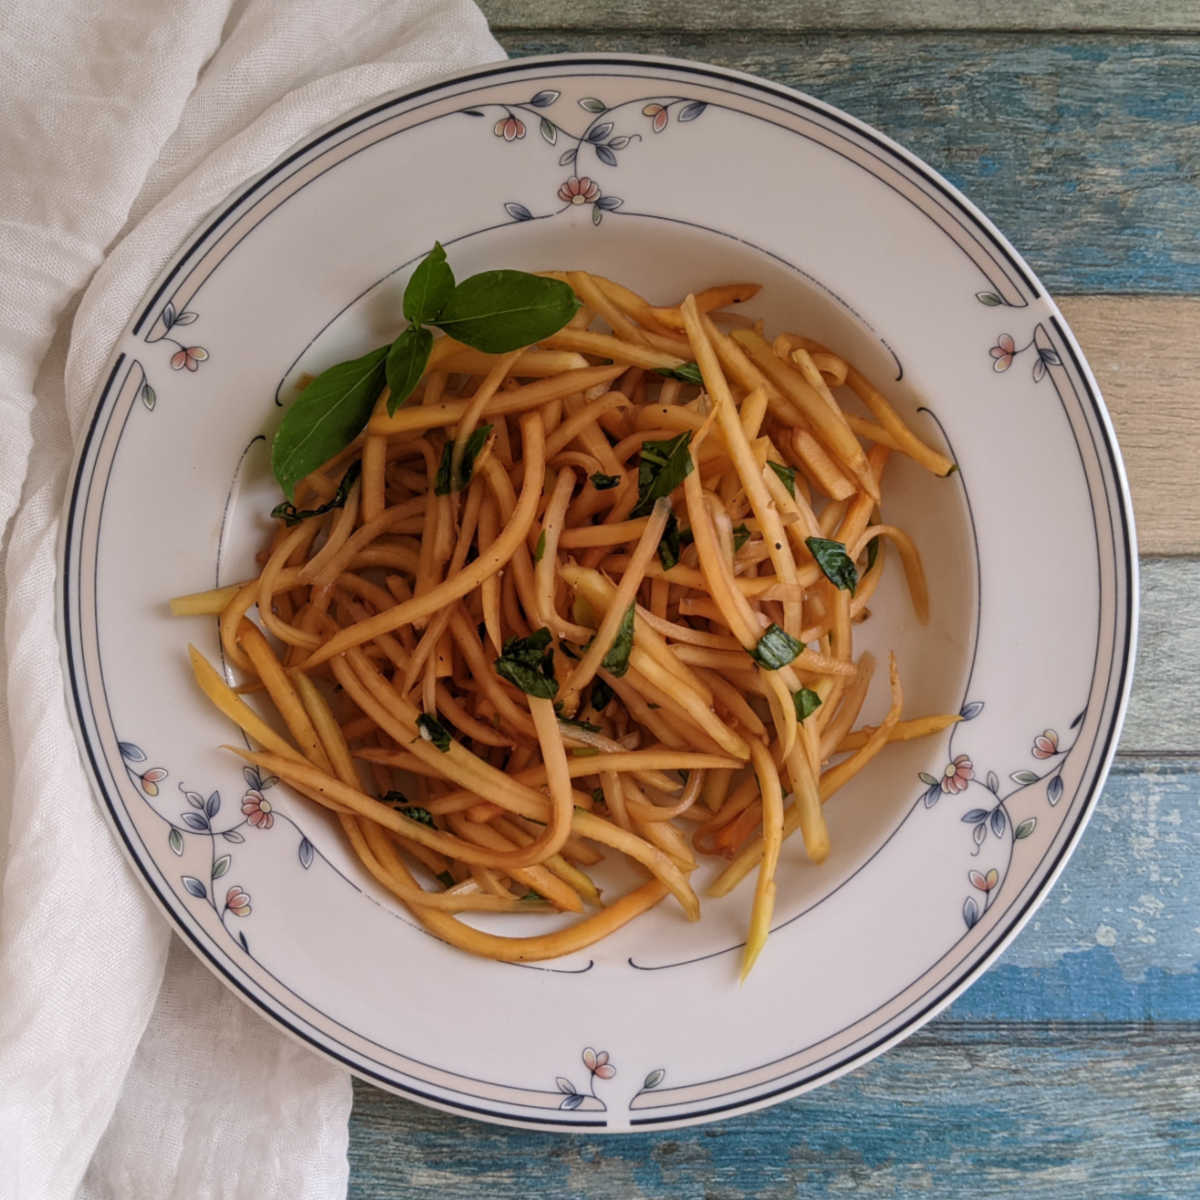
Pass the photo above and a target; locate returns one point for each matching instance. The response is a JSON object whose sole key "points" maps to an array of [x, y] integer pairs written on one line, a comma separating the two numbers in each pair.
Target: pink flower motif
{"points": [[509, 128], [1045, 745], [984, 883], [149, 780], [579, 189], [188, 356], [257, 809], [658, 116], [597, 1062], [237, 901], [1003, 352], [957, 774]]}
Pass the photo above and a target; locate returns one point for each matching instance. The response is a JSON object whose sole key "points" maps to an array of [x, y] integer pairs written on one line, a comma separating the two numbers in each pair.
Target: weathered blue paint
{"points": [[1083, 149], [999, 1110]]}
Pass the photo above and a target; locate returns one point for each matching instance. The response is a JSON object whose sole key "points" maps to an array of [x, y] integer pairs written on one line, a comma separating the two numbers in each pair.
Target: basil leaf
{"points": [[446, 880], [429, 288], [432, 730], [837, 566], [443, 485], [326, 417], [406, 362], [498, 311], [776, 648], [422, 816], [603, 482], [587, 727], [532, 895], [872, 552], [741, 535], [597, 795], [787, 476], [672, 543], [528, 663], [600, 695], [394, 799], [617, 658], [807, 702], [540, 549], [289, 514], [687, 372], [662, 467]]}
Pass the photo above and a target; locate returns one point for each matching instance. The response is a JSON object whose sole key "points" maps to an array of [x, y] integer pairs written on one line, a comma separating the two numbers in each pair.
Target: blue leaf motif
{"points": [[518, 212], [606, 156], [213, 804], [979, 833], [597, 215], [472, 112], [545, 98], [168, 314], [999, 822], [970, 711], [194, 799], [565, 1086], [194, 820], [618, 143], [194, 886], [245, 944], [927, 779], [1075, 723], [572, 1101], [149, 396], [131, 753], [993, 782], [232, 835], [221, 866], [1054, 792], [175, 841], [689, 112], [598, 133], [1049, 356], [974, 815], [991, 299], [548, 130], [1039, 370], [932, 796], [186, 318], [567, 157], [653, 1079], [592, 105], [970, 911], [1024, 778], [1025, 828], [609, 203], [253, 777], [305, 853]]}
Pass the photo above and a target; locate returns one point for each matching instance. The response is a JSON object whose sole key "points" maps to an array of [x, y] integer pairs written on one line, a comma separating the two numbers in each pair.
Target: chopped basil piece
{"points": [[598, 795], [807, 702], [617, 658], [741, 535], [688, 372], [422, 816], [776, 648], [787, 476], [872, 552], [289, 514], [394, 799], [443, 485], [835, 563], [602, 483], [432, 730], [528, 663], [540, 549], [662, 467], [446, 880], [600, 695]]}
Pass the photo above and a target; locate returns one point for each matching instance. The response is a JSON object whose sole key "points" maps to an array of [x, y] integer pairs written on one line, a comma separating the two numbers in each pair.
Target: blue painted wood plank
{"points": [[1084, 149], [984, 1110]]}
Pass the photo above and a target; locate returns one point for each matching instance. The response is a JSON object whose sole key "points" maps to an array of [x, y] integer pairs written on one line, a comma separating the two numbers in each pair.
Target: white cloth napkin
{"points": [[126, 1070]]}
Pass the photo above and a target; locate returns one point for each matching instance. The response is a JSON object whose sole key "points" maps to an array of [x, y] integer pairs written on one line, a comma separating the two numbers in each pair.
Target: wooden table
{"points": [[1072, 1068]]}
